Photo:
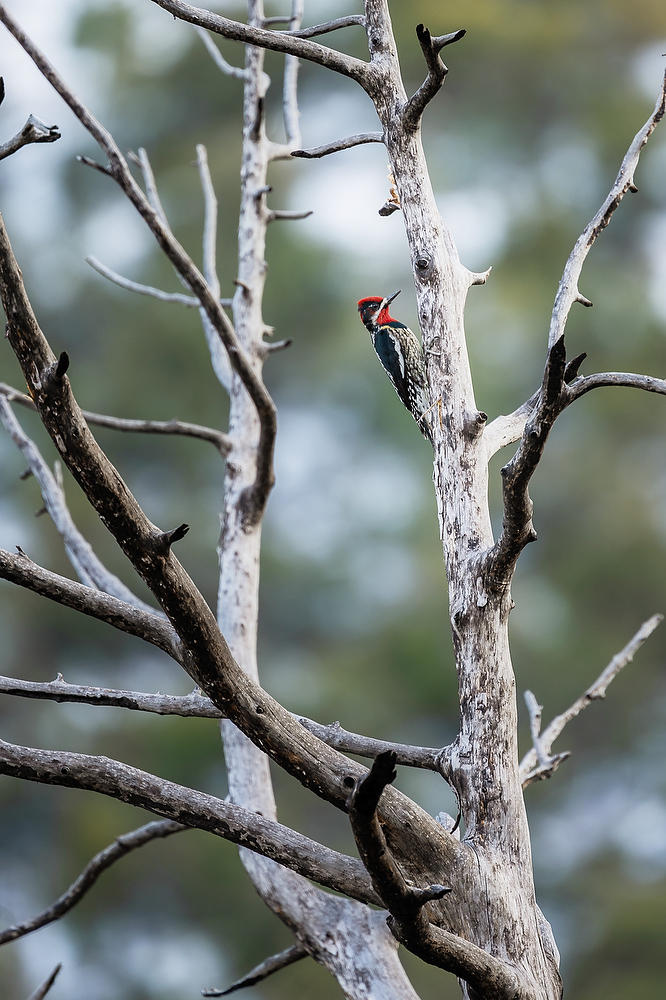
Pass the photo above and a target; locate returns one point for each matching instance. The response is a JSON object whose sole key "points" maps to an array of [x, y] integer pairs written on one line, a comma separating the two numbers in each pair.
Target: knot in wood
{"points": [[423, 264]]}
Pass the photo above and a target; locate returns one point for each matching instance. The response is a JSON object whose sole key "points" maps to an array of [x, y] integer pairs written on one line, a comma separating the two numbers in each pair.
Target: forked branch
{"points": [[431, 48], [407, 904], [277, 41], [517, 527], [537, 763]]}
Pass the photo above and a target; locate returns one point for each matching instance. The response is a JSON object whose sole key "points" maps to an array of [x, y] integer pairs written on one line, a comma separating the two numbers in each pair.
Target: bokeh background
{"points": [[524, 142]]}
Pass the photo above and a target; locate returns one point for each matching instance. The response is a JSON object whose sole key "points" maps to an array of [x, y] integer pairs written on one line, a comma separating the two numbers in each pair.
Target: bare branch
{"points": [[143, 162], [291, 114], [431, 48], [287, 216], [32, 131], [89, 568], [193, 705], [219, 356], [135, 286], [190, 808], [568, 291], [278, 41], [262, 971], [517, 527], [196, 705], [209, 259], [45, 988], [364, 746], [178, 427], [507, 428], [350, 21], [121, 846], [627, 380], [407, 904], [148, 626], [237, 72], [532, 767], [256, 494], [338, 145], [534, 710]]}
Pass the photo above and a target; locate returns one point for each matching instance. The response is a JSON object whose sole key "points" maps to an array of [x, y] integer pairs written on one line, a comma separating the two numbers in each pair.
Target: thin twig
{"points": [[350, 21], [209, 258], [32, 131], [134, 286], [45, 988], [531, 768], [218, 352], [262, 971], [121, 846], [361, 139], [237, 72], [178, 427], [90, 569], [290, 110], [568, 291]]}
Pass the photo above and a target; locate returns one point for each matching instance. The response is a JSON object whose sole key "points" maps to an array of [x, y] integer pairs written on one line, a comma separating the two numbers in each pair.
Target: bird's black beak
{"points": [[389, 300]]}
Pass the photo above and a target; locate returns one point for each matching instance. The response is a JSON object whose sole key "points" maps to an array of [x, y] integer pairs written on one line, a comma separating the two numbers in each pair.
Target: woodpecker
{"points": [[401, 355]]}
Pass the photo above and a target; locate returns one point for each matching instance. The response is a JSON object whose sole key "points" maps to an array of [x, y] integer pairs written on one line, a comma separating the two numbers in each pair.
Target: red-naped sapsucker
{"points": [[401, 355]]}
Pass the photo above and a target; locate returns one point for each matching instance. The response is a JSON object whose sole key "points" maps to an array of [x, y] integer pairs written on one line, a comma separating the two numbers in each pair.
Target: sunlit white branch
{"points": [[237, 72], [135, 286], [568, 291]]}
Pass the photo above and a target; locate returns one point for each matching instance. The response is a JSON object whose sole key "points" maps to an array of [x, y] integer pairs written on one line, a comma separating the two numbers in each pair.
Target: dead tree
{"points": [[464, 904]]}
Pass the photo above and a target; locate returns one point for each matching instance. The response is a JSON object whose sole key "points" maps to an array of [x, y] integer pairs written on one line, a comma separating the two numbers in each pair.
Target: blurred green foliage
{"points": [[538, 109]]}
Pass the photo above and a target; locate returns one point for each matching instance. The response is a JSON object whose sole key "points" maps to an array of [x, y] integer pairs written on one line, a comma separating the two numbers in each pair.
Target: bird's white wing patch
{"points": [[397, 347]]}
